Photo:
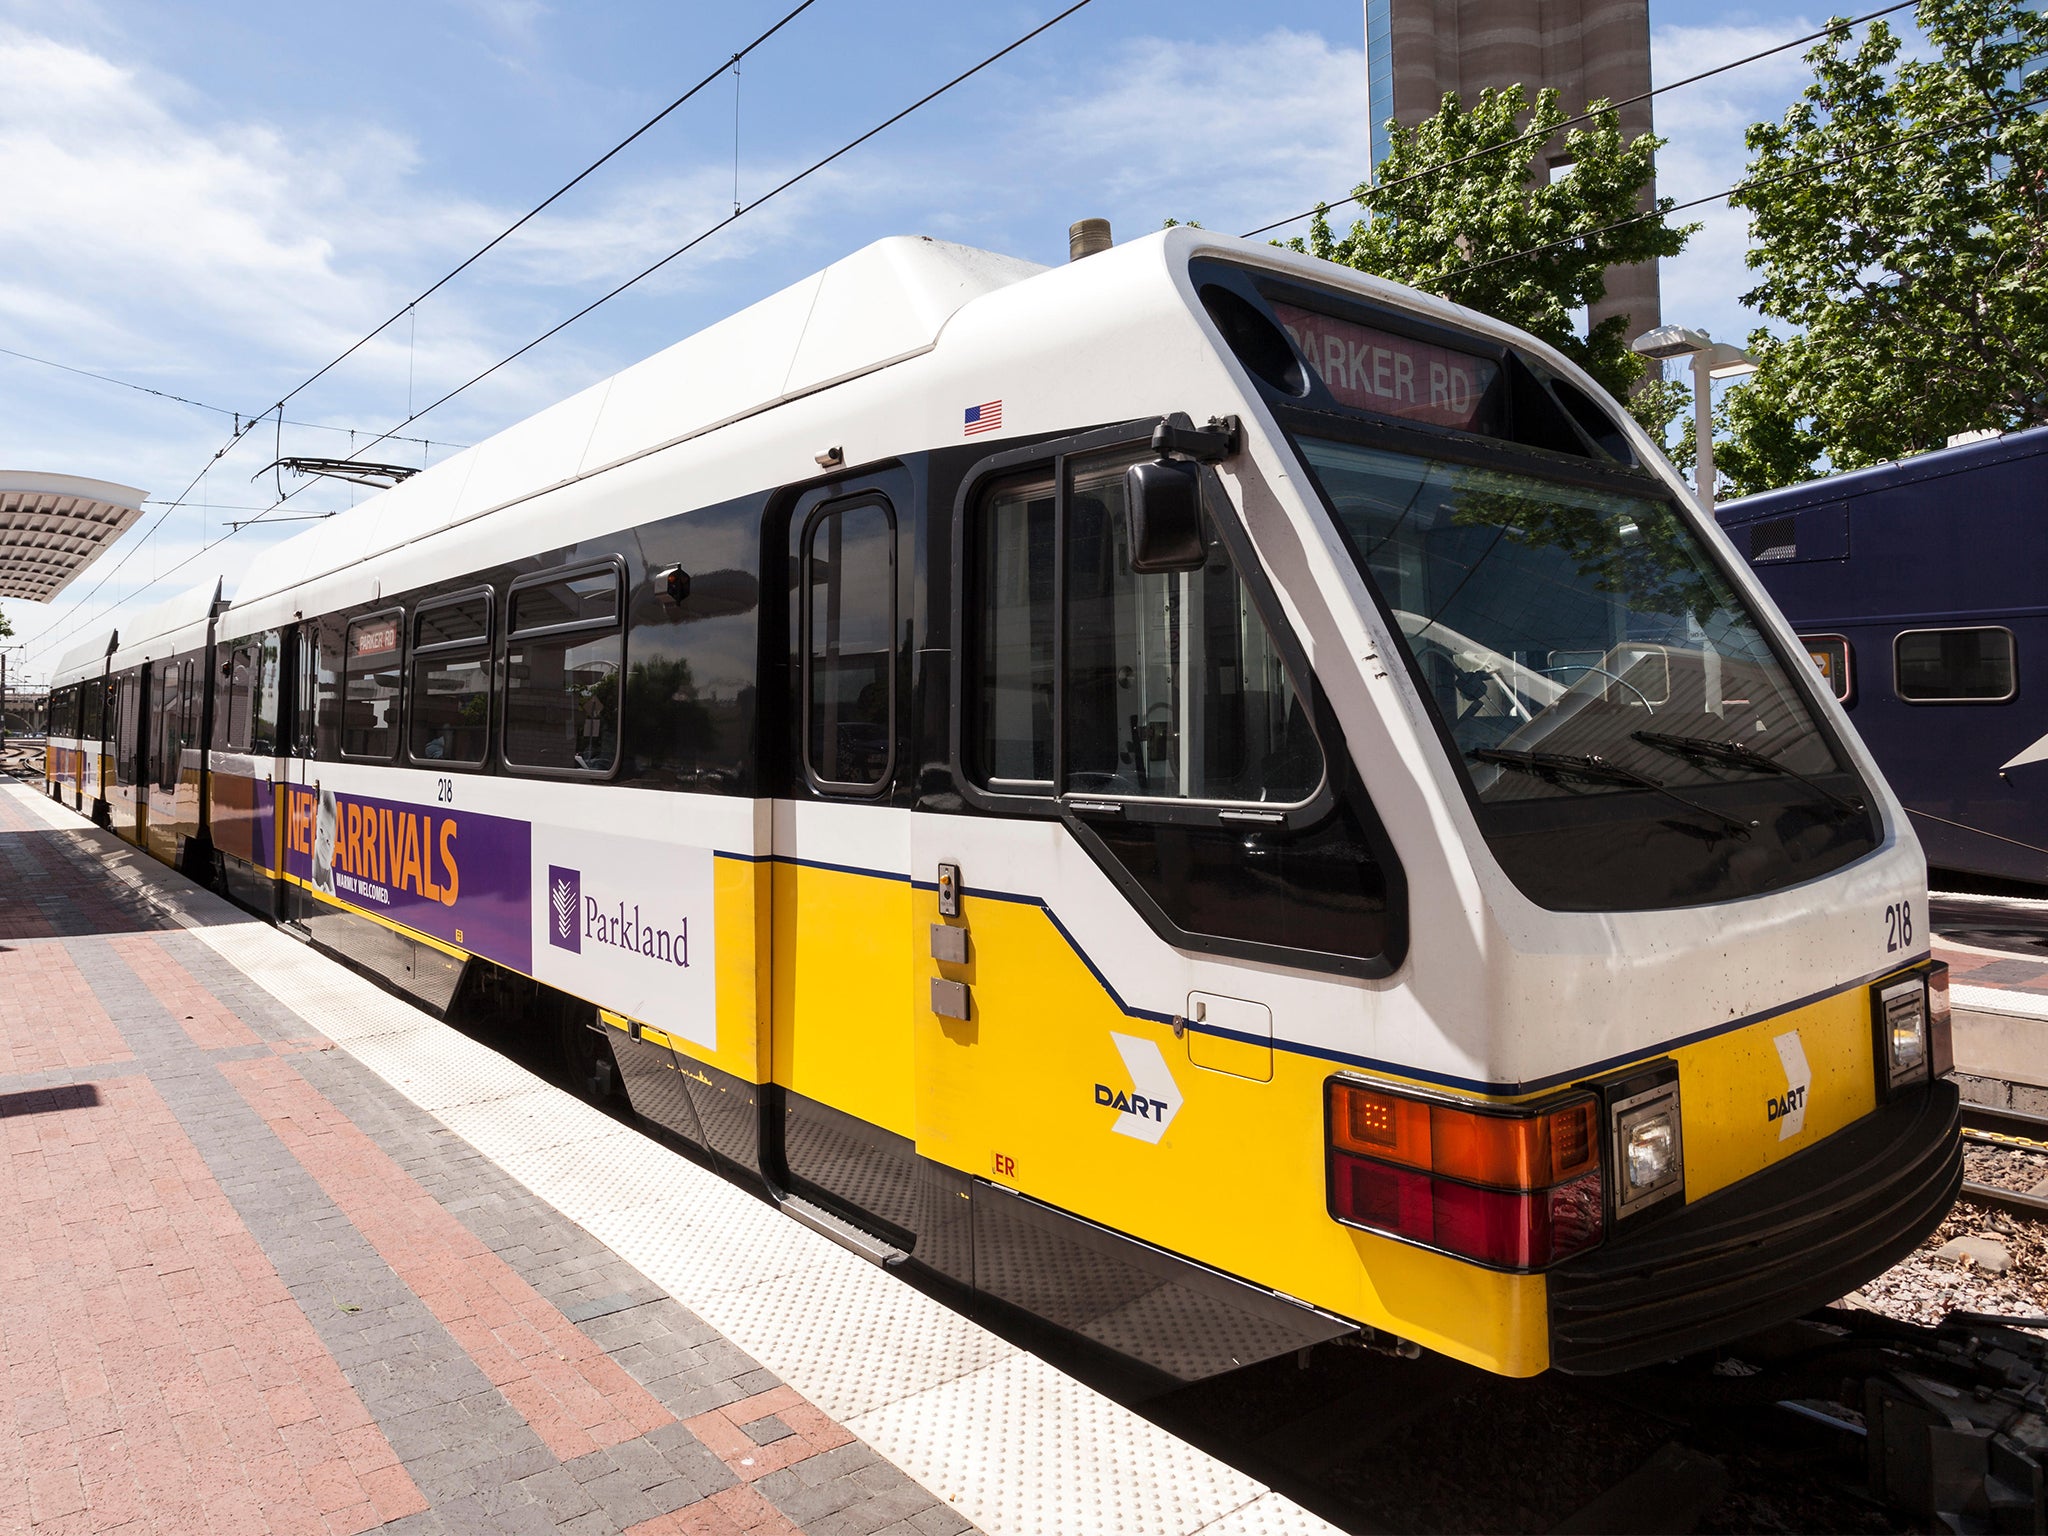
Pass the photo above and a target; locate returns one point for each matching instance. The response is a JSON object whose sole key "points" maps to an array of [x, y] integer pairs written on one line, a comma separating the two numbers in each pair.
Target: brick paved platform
{"points": [[245, 1286], [279, 1252]]}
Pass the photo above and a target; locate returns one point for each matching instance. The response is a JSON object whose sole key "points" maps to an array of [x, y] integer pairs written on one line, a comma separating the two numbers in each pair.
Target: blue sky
{"points": [[213, 197]]}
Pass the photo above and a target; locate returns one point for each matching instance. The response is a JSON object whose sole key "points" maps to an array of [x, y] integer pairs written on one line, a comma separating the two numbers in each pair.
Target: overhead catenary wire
{"points": [[547, 202], [1743, 185], [738, 213], [218, 410], [607, 297], [245, 423], [1583, 117]]}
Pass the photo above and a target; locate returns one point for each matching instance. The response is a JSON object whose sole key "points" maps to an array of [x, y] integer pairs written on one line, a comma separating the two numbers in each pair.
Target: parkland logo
{"points": [[565, 908]]}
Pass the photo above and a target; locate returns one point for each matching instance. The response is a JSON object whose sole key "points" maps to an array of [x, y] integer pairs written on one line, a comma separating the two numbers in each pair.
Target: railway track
{"points": [[2013, 1130]]}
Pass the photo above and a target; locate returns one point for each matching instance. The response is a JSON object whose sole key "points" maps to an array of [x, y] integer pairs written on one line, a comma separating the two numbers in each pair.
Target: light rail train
{"points": [[1210, 799]]}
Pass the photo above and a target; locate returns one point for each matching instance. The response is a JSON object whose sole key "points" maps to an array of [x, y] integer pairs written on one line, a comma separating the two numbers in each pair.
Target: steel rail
{"points": [[2014, 1202]]}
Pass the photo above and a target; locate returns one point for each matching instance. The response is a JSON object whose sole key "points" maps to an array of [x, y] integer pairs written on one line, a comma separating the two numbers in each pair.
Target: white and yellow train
{"points": [[1214, 800]]}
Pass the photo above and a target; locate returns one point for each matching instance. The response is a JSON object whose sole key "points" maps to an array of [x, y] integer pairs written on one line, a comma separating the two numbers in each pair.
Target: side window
{"points": [[1955, 666], [266, 695], [849, 622], [1831, 657], [1158, 707], [450, 712], [369, 712], [93, 697], [562, 673], [1171, 688]]}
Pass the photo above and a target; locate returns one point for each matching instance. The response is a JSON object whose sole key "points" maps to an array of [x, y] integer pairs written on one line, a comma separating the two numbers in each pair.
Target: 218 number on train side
{"points": [[1898, 926]]}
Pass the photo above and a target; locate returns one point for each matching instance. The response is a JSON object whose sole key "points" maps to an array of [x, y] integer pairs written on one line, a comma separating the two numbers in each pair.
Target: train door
{"points": [[841, 1034], [168, 686], [1150, 714], [128, 808], [298, 758]]}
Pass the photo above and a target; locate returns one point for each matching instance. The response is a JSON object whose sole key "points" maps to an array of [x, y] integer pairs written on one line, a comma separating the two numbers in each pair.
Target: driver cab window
{"points": [[1170, 687]]}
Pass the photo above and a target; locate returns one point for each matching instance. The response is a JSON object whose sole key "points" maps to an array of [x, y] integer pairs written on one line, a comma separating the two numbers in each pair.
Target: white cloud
{"points": [[1235, 133], [1705, 124]]}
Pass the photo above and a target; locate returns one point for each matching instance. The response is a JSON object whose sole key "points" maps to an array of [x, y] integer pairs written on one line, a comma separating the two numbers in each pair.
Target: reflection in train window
{"points": [[849, 621], [562, 673], [450, 710], [369, 714], [1955, 666]]}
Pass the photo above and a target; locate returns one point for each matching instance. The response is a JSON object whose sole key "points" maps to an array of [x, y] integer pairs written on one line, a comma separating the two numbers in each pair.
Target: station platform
{"points": [[281, 1252], [1999, 1002]]}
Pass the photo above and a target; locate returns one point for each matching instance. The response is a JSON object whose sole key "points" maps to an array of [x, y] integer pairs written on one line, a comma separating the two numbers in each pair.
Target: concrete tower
{"points": [[1417, 50]]}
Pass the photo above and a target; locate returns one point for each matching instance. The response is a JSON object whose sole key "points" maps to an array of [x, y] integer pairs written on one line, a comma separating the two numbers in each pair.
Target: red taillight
{"points": [[1518, 1189], [1941, 1040]]}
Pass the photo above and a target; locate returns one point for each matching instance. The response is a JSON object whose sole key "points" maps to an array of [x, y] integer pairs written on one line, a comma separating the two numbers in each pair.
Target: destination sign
{"points": [[1391, 375]]}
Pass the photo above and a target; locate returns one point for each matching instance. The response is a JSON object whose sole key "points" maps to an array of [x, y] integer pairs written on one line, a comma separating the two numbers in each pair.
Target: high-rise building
{"points": [[1418, 50]]}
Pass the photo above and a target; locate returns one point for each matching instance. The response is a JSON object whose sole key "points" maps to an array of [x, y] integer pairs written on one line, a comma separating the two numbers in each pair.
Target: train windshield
{"points": [[1631, 738]]}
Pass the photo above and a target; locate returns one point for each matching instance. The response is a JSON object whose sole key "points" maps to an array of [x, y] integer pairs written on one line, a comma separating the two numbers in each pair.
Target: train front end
{"points": [[1665, 1058]]}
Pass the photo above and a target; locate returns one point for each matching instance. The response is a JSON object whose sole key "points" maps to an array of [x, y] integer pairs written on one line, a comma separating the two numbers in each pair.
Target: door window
{"points": [[168, 700], [1011, 695], [238, 674], [849, 621]]}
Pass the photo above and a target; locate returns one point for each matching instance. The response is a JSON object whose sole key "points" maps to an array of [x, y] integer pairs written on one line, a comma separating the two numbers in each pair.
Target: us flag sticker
{"points": [[985, 417]]}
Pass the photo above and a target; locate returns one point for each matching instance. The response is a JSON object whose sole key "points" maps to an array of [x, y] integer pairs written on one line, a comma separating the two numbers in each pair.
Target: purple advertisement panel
{"points": [[458, 876]]}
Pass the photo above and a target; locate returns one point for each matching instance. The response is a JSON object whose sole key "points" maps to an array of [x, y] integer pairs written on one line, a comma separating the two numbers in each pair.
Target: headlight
{"points": [[1645, 1137], [1902, 1032], [1651, 1152]]}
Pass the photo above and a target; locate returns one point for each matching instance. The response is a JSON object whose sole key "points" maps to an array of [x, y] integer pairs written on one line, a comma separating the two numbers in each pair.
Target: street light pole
{"points": [[1703, 430], [1711, 360]]}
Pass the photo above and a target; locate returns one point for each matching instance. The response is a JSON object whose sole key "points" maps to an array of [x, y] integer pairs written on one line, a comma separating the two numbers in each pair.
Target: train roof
{"points": [[880, 305], [1882, 477], [176, 624], [86, 658]]}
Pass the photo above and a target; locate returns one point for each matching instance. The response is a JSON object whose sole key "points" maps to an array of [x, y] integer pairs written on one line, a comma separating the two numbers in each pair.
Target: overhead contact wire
{"points": [[1741, 186], [706, 234], [545, 203], [244, 425]]}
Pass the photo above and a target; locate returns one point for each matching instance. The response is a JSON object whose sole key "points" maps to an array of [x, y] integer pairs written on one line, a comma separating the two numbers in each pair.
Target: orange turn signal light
{"points": [[1526, 1147]]}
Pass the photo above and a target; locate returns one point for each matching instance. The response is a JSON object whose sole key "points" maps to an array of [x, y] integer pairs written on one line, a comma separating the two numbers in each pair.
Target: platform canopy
{"points": [[54, 526]]}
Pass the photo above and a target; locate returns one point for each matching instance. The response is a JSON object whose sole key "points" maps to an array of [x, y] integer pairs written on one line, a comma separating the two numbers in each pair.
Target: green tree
{"points": [[1899, 215], [1457, 211]]}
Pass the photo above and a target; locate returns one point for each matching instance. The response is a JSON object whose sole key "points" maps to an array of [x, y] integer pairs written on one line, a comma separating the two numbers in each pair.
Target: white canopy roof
{"points": [[54, 526]]}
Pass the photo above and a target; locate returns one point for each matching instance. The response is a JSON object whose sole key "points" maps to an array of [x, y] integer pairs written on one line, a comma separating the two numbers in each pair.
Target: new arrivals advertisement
{"points": [[622, 921]]}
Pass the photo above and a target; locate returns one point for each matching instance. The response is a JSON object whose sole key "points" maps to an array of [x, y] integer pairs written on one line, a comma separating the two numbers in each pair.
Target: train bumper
{"points": [[1797, 1236]]}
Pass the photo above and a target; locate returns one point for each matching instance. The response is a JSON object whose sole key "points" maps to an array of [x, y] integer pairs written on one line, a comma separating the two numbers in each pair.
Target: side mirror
{"points": [[1165, 503]]}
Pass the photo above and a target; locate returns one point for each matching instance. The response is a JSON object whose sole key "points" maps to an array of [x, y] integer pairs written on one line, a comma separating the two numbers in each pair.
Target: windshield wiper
{"points": [[1595, 769], [1733, 754]]}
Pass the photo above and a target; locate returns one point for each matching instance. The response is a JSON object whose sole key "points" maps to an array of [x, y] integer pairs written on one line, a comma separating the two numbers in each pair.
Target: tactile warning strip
{"points": [[1015, 1445]]}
